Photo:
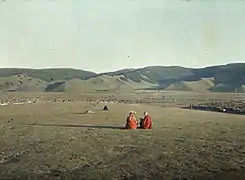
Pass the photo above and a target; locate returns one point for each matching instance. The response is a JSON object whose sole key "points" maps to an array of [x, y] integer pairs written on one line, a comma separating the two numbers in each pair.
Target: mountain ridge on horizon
{"points": [[218, 78], [121, 69]]}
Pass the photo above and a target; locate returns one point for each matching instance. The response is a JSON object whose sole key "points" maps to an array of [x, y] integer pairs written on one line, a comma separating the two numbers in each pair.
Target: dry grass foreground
{"points": [[57, 141]]}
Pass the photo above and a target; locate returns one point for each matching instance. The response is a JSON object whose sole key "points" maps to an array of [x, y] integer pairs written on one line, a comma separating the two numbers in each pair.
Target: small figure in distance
{"points": [[105, 108], [131, 121], [146, 122]]}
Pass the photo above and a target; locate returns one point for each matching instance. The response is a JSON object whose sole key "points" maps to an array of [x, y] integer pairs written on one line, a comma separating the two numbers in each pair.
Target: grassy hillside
{"points": [[48, 75], [224, 78], [205, 84], [240, 89], [21, 83], [153, 73], [230, 73], [100, 83]]}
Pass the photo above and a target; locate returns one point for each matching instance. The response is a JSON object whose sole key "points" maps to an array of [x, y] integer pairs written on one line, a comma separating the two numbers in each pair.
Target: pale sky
{"points": [[99, 35]]}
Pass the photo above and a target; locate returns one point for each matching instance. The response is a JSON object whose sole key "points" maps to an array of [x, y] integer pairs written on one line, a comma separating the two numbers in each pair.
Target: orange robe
{"points": [[131, 122], [147, 122]]}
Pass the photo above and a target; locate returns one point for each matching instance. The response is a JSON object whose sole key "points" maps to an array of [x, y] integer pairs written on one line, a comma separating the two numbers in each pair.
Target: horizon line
{"points": [[133, 68]]}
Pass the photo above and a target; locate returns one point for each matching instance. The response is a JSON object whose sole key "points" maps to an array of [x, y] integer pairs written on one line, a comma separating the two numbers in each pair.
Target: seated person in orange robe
{"points": [[131, 122], [146, 123]]}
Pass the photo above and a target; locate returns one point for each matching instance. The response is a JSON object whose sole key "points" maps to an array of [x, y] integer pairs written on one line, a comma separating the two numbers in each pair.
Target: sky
{"points": [[107, 35]]}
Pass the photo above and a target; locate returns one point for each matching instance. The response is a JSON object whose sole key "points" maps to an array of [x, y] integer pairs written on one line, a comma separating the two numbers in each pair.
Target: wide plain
{"points": [[57, 140]]}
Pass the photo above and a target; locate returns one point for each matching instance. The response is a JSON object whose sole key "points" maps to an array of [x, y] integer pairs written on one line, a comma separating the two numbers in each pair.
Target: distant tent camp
{"points": [[105, 108]]}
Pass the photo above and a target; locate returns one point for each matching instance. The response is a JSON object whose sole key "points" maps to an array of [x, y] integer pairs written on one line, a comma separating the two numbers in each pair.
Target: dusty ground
{"points": [[58, 141]]}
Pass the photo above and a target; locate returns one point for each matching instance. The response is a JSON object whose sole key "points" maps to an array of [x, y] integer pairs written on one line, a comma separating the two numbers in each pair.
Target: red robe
{"points": [[131, 122], [147, 122]]}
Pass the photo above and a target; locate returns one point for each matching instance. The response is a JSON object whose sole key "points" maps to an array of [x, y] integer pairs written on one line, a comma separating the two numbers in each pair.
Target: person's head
{"points": [[145, 113], [132, 113]]}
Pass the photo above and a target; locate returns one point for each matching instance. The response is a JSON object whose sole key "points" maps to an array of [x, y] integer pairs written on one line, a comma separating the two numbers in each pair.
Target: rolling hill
{"points": [[21, 83], [202, 85], [153, 74], [240, 89], [48, 75], [99, 83], [223, 78]]}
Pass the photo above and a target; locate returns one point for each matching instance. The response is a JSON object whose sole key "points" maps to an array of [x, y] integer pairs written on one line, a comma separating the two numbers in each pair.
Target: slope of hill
{"points": [[240, 89], [226, 78], [73, 85], [153, 74], [204, 84], [230, 73], [100, 83], [223, 78], [21, 83], [48, 75]]}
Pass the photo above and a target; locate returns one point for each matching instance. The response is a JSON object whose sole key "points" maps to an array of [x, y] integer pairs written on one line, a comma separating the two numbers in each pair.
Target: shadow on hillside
{"points": [[78, 126]]}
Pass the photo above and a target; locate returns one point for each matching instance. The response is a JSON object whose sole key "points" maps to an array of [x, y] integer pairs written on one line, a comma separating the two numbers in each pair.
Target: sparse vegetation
{"points": [[21, 83], [48, 75], [57, 140]]}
